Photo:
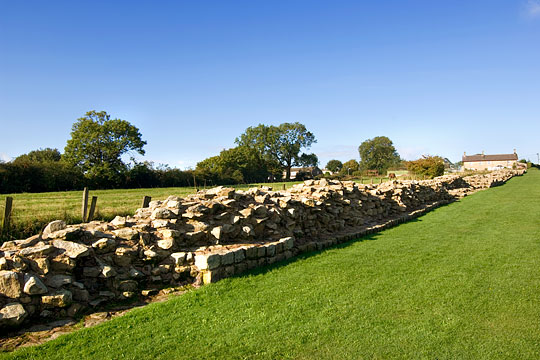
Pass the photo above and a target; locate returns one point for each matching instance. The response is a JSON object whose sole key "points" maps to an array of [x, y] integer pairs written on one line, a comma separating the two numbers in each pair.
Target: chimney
{"points": [[515, 151], [464, 153], [482, 152]]}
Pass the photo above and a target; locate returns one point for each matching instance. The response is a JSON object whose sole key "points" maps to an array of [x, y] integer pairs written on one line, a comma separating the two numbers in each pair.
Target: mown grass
{"points": [[461, 282]]}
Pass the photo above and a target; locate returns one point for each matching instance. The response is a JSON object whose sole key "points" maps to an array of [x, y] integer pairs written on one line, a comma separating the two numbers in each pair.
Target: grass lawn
{"points": [[461, 282]]}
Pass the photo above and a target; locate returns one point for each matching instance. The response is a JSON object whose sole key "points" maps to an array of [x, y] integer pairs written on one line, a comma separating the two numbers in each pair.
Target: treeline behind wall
{"points": [[17, 177]]}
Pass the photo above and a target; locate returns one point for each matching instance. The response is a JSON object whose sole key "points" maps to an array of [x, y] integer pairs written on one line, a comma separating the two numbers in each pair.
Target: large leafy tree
{"points": [[378, 153], [97, 144], [349, 167], [279, 144], [235, 165], [334, 165], [308, 160]]}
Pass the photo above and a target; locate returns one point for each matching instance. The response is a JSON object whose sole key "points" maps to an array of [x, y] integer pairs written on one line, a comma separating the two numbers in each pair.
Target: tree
{"points": [[430, 166], [39, 156], [334, 166], [236, 165], [279, 144], [97, 144], [378, 154], [349, 167], [308, 160]]}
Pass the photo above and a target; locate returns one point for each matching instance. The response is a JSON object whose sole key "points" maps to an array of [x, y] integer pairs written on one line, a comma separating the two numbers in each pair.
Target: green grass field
{"points": [[461, 282], [32, 211]]}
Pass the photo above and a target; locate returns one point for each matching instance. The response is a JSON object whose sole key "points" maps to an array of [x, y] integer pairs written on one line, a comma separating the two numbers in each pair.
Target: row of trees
{"points": [[94, 154], [380, 154]]}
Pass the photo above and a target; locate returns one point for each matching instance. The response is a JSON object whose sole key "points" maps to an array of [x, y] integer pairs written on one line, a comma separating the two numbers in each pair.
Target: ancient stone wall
{"points": [[66, 270]]}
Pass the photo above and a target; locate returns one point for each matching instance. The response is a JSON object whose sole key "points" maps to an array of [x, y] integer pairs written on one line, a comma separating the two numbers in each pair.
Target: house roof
{"points": [[496, 157]]}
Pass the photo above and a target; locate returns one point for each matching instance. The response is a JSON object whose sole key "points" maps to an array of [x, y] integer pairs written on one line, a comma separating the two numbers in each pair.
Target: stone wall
{"points": [[68, 270]]}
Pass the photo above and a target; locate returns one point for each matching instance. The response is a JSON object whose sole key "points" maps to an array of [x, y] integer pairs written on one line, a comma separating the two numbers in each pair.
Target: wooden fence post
{"points": [[284, 186], [92, 208], [146, 201], [7, 214], [84, 204]]}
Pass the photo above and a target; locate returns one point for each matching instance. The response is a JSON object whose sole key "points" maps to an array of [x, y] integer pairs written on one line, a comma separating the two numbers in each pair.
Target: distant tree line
{"points": [[93, 158]]}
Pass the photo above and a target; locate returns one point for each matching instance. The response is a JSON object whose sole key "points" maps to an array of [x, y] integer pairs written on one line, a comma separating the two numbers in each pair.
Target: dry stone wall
{"points": [[66, 270]]}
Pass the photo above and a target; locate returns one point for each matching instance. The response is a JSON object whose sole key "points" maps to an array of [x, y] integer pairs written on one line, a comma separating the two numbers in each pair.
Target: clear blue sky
{"points": [[437, 77]]}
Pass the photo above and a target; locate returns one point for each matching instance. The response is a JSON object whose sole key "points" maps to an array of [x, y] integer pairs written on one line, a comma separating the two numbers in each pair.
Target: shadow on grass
{"points": [[306, 255]]}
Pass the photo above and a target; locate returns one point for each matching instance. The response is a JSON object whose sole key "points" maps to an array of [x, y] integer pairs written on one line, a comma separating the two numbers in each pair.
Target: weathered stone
{"points": [[194, 237], [162, 213], [149, 292], [81, 295], [151, 254], [37, 250], [74, 309], [13, 314], [18, 263], [227, 258], [72, 249], [107, 271], [40, 265], [179, 258], [251, 252], [239, 255], [161, 223], [128, 285], [136, 274], [165, 244], [126, 233], [59, 280], [123, 256], [270, 250], [211, 276], [217, 231], [207, 261], [9, 284], [118, 222], [61, 298], [104, 245], [248, 230], [33, 285], [54, 226], [92, 271], [288, 243], [62, 262], [69, 234]]}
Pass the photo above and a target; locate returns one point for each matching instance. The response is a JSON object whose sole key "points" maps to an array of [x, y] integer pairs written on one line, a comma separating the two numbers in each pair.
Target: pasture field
{"points": [[32, 211], [460, 282]]}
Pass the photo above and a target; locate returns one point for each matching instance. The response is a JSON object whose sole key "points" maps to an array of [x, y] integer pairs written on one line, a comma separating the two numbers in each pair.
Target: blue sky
{"points": [[437, 77]]}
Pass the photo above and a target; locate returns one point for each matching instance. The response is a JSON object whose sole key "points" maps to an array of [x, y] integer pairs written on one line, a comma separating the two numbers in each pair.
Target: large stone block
{"points": [[207, 261], [12, 314], [9, 284]]}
